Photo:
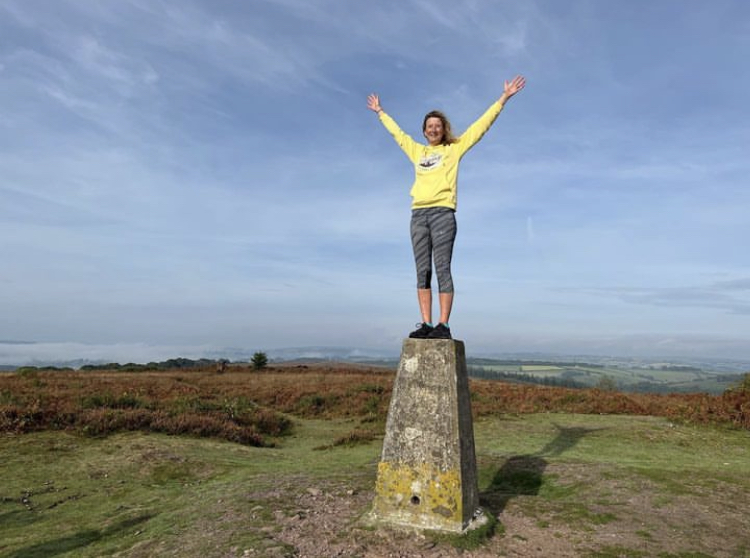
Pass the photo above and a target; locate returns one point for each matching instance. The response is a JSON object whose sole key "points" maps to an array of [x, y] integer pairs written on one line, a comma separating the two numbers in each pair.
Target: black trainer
{"points": [[422, 332], [440, 331]]}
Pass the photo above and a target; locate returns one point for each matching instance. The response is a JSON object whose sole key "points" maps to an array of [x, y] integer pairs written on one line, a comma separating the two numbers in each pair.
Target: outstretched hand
{"points": [[514, 86], [373, 102]]}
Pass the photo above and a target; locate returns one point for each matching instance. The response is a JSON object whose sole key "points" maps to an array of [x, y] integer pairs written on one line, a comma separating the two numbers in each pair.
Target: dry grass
{"points": [[250, 407], [731, 408]]}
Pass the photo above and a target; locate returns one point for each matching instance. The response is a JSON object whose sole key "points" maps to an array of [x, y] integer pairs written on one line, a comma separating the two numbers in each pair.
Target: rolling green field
{"points": [[640, 379], [627, 376]]}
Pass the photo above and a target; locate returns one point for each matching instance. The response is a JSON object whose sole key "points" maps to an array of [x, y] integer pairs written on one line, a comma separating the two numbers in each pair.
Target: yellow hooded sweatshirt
{"points": [[436, 167]]}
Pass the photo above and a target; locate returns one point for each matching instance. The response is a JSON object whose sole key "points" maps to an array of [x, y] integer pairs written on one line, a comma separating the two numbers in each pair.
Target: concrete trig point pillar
{"points": [[427, 476]]}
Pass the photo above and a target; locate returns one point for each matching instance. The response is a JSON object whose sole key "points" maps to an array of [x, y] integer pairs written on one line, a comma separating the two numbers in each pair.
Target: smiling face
{"points": [[434, 130]]}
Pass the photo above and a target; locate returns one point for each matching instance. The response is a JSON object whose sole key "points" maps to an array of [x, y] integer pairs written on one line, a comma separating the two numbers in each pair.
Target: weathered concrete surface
{"points": [[427, 476]]}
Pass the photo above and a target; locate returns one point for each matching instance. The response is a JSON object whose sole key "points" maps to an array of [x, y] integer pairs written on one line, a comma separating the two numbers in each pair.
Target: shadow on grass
{"points": [[80, 539], [522, 475], [17, 518]]}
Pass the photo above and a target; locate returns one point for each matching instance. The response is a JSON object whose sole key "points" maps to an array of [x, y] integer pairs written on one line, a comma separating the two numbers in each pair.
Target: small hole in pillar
{"points": [[415, 500]]}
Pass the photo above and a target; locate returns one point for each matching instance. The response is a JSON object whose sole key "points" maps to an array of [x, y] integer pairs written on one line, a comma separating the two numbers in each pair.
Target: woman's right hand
{"points": [[373, 102], [512, 87]]}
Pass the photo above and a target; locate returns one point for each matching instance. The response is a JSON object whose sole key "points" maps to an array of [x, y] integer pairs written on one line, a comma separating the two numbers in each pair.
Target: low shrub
{"points": [[250, 407], [87, 403], [124, 401]]}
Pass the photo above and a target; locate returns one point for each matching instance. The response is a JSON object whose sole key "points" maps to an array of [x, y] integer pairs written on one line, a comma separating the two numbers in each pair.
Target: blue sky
{"points": [[204, 174]]}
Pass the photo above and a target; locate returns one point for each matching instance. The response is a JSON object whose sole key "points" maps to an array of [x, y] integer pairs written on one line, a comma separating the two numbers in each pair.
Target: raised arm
{"points": [[404, 140], [475, 132]]}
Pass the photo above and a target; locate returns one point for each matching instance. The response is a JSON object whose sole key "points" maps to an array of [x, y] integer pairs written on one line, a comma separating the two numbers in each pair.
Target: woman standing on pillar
{"points": [[433, 222]]}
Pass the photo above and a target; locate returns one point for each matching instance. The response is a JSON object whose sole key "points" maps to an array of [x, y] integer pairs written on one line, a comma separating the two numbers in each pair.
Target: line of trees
{"points": [[170, 364], [258, 361]]}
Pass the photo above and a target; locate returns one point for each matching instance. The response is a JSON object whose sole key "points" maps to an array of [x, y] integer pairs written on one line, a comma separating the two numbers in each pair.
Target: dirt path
{"points": [[627, 517]]}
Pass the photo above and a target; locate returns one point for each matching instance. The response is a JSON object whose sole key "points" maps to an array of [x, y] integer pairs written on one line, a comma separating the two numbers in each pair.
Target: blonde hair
{"points": [[448, 136]]}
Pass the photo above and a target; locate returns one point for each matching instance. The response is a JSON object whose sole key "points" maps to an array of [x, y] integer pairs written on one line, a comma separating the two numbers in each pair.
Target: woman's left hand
{"points": [[373, 102]]}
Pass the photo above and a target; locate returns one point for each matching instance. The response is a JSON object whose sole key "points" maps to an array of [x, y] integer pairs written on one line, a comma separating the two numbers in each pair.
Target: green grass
{"points": [[650, 442], [572, 476], [530, 464], [94, 497]]}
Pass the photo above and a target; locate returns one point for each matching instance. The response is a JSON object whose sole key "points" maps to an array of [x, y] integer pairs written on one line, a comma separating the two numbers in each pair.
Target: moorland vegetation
{"points": [[255, 406]]}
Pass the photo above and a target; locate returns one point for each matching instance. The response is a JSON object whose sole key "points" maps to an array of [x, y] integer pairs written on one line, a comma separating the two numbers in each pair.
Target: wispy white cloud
{"points": [[212, 166], [732, 296]]}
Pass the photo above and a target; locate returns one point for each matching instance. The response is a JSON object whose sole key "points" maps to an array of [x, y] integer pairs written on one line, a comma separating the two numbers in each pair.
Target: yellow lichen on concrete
{"points": [[419, 495]]}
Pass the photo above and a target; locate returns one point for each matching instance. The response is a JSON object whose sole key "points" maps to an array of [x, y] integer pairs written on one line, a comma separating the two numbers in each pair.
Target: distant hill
{"points": [[628, 375]]}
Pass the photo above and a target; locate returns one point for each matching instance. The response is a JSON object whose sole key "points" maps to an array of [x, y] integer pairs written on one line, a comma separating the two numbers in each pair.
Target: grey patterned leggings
{"points": [[433, 231]]}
